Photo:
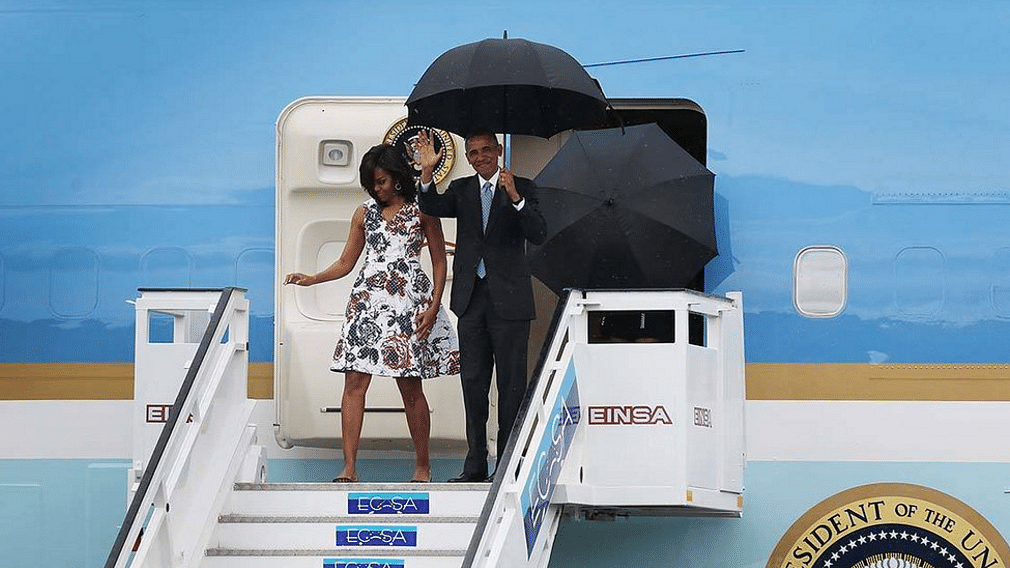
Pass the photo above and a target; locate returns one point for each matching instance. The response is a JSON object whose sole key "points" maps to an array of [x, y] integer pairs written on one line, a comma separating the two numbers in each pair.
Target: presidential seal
{"points": [[404, 138], [891, 525]]}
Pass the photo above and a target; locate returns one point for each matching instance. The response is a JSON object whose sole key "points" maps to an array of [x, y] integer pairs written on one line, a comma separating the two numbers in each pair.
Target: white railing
{"points": [[206, 444], [523, 509], [500, 538]]}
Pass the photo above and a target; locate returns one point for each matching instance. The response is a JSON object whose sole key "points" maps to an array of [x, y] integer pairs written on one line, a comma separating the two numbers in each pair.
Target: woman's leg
{"points": [[418, 422], [352, 414]]}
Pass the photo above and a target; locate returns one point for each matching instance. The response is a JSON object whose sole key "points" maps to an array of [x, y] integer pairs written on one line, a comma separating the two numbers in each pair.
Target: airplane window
{"points": [[919, 281], [73, 279], [820, 275], [168, 267], [254, 271]]}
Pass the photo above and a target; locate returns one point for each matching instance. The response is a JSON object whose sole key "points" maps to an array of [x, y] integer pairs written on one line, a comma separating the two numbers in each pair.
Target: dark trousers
{"points": [[487, 341]]}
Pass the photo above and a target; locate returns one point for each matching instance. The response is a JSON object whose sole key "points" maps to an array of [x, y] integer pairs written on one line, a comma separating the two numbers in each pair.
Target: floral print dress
{"points": [[387, 298]]}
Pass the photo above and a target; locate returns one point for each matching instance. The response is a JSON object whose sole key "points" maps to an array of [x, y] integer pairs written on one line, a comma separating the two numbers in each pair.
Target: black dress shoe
{"points": [[469, 478]]}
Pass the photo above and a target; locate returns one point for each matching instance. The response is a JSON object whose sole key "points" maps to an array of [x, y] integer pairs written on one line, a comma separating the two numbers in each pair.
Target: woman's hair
{"points": [[390, 159]]}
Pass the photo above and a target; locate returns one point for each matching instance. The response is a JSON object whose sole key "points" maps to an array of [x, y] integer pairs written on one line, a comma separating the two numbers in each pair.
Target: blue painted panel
{"points": [[21, 515], [60, 513], [104, 482]]}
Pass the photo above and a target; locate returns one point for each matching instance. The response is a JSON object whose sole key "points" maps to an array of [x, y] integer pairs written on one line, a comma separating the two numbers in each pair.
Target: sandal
{"points": [[415, 480], [343, 479]]}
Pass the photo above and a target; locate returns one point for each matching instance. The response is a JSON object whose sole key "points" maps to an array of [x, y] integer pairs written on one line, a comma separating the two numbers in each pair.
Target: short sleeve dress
{"points": [[389, 294]]}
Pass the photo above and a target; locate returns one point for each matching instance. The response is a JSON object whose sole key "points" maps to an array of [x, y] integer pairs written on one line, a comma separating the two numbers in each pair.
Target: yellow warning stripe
{"points": [[96, 381], [765, 381], [912, 382]]}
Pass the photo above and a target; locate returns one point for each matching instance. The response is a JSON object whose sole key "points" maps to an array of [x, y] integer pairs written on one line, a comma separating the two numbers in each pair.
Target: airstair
{"points": [[636, 421]]}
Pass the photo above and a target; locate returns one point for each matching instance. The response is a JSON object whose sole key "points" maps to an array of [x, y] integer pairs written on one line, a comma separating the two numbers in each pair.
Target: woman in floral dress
{"points": [[395, 325]]}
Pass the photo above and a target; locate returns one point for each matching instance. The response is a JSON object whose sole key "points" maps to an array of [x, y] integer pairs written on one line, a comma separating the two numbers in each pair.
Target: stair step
{"points": [[365, 499], [338, 487], [397, 533], [233, 518], [361, 552], [327, 560]]}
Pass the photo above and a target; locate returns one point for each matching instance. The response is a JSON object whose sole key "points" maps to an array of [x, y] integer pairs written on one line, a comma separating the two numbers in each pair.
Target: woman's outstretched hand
{"points": [[299, 279]]}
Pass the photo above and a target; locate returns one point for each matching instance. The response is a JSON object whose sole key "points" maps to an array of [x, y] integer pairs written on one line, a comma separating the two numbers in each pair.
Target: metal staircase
{"points": [[203, 500]]}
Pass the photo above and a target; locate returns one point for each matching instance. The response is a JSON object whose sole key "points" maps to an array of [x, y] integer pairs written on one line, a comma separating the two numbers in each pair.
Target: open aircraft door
{"points": [[320, 142]]}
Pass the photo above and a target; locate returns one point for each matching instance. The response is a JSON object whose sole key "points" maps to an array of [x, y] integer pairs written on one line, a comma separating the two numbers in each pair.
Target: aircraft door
{"points": [[320, 142]]}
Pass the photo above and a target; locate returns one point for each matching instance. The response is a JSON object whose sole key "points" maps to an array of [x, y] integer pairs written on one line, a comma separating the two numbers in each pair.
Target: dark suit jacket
{"points": [[503, 246]]}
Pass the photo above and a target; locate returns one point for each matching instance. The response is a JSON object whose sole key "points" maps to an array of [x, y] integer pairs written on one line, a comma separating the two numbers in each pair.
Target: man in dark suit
{"points": [[492, 295]]}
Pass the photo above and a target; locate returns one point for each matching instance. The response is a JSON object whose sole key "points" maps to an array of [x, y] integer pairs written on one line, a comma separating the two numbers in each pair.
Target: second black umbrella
{"points": [[624, 209]]}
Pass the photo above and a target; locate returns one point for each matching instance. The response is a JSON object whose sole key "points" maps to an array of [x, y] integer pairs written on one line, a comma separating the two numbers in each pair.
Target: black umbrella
{"points": [[624, 209], [511, 86]]}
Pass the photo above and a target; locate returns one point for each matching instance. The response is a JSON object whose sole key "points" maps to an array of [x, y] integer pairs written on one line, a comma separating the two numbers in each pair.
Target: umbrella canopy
{"points": [[511, 86], [624, 209]]}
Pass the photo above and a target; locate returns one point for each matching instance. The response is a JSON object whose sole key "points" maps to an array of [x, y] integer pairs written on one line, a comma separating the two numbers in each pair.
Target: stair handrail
{"points": [[146, 512], [553, 357]]}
